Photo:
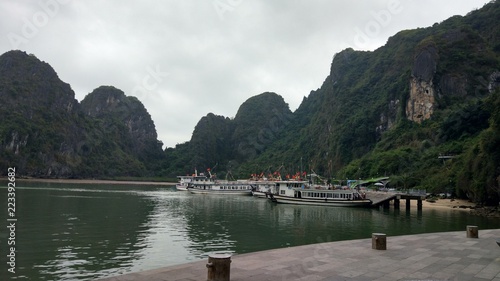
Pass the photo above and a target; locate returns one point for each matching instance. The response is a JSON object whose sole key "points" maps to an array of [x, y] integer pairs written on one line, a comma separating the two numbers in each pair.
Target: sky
{"points": [[184, 59]]}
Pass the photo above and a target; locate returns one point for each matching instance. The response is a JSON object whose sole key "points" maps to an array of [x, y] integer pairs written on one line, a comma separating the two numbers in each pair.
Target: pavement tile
{"points": [[435, 256], [473, 268]]}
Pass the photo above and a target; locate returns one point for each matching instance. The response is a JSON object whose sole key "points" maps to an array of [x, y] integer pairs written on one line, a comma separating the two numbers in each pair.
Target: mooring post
{"points": [[379, 241], [219, 267], [408, 204], [472, 231]]}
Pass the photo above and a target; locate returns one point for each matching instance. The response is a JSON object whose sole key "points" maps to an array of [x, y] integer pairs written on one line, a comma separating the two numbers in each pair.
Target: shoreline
{"points": [[462, 205], [454, 204], [93, 181]]}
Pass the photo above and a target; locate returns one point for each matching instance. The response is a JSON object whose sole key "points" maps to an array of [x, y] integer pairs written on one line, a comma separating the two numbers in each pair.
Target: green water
{"points": [[84, 232]]}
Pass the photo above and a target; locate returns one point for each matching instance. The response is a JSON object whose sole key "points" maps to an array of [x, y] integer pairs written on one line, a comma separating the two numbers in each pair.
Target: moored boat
{"points": [[262, 189], [221, 187], [183, 183], [186, 181], [296, 193]]}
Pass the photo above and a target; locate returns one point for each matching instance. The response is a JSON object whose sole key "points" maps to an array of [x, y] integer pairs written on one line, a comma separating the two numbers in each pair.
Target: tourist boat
{"points": [[262, 188], [223, 187], [184, 182], [297, 192]]}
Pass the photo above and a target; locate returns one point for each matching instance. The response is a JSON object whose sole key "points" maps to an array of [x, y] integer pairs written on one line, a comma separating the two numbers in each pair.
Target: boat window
{"points": [[282, 192]]}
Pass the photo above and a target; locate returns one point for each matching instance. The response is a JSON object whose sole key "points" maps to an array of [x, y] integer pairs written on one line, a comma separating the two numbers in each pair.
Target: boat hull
{"points": [[181, 187], [260, 194], [321, 202]]}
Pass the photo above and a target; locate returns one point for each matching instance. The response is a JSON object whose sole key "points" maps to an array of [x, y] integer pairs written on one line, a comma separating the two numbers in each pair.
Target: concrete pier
{"points": [[432, 256], [384, 199]]}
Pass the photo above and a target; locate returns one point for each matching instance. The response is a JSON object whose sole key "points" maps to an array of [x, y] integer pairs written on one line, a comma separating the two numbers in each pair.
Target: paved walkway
{"points": [[434, 256]]}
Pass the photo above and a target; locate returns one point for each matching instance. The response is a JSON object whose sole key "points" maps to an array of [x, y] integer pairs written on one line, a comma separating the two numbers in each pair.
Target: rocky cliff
{"points": [[228, 143], [119, 112], [421, 102], [40, 115], [45, 132]]}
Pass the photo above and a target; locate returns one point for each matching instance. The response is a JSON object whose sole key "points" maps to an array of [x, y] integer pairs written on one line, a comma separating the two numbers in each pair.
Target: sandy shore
{"points": [[456, 204], [90, 181]]}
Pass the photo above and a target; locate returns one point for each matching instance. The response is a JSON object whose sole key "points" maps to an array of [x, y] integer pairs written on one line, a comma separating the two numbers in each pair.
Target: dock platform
{"points": [[431, 256], [384, 199]]}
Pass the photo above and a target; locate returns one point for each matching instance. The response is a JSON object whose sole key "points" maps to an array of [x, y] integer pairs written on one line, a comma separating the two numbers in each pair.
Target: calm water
{"points": [[83, 232]]}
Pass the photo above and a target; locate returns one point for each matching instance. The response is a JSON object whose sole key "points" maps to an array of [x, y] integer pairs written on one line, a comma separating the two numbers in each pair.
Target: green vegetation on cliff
{"points": [[427, 93], [423, 109], [45, 132]]}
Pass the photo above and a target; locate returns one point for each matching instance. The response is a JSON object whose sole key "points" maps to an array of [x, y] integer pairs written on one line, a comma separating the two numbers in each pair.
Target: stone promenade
{"points": [[433, 256]]}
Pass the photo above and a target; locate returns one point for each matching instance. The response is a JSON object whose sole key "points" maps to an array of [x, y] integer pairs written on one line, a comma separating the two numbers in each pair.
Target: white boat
{"points": [[223, 187], [262, 188], [186, 181], [296, 192], [183, 182]]}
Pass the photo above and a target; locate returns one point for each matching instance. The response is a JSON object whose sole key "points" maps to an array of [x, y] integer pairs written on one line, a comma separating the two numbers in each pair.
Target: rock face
{"points": [[115, 110], [29, 84], [45, 132], [39, 113], [258, 122], [388, 120], [421, 102]]}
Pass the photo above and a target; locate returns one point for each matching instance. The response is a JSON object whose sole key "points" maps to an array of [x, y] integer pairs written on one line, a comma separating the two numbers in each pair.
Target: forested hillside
{"points": [[421, 109], [424, 109]]}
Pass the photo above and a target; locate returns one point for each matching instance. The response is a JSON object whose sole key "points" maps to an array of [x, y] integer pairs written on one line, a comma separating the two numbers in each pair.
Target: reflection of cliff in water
{"points": [[246, 224], [79, 231]]}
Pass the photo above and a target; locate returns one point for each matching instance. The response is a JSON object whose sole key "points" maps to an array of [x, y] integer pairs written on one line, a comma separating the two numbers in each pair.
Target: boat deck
{"points": [[432, 256]]}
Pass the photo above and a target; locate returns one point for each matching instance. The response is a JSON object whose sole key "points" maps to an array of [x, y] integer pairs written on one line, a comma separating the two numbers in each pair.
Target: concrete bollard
{"points": [[219, 267], [379, 241], [472, 231]]}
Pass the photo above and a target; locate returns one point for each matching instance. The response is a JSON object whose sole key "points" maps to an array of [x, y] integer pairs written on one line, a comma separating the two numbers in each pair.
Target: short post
{"points": [[472, 231], [219, 267], [379, 241]]}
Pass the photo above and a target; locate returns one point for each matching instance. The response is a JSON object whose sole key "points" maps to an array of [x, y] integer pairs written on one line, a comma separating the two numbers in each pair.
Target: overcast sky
{"points": [[184, 59]]}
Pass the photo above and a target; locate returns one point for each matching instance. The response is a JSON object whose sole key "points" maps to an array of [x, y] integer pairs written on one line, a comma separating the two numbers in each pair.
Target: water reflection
{"points": [[77, 233]]}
